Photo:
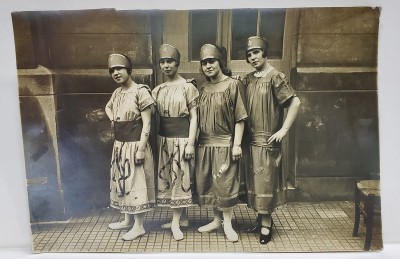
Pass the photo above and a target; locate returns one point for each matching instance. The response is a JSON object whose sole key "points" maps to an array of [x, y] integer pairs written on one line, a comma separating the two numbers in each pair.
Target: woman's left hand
{"points": [[139, 157], [236, 152], [278, 136]]}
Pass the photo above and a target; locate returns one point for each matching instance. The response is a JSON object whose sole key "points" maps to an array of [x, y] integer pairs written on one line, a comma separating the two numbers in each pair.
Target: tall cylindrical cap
{"points": [[256, 42], [169, 51], [118, 60], [210, 51]]}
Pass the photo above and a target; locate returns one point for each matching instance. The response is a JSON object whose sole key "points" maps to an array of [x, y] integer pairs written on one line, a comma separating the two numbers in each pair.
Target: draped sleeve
{"points": [[283, 90], [144, 98], [192, 96], [237, 97]]}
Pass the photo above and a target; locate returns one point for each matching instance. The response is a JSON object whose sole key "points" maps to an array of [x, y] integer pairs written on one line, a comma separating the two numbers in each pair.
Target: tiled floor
{"points": [[299, 227]]}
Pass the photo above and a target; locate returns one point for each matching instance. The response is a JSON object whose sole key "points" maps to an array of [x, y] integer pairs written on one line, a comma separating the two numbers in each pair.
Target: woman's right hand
{"points": [[139, 157], [189, 151], [236, 152]]}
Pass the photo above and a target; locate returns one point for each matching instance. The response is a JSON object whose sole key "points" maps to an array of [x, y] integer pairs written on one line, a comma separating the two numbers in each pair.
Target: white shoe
{"points": [[119, 226], [230, 234], [177, 233], [214, 225], [133, 234], [182, 223]]}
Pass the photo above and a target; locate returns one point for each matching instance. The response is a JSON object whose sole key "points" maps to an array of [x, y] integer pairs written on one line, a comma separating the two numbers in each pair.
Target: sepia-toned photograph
{"points": [[203, 130]]}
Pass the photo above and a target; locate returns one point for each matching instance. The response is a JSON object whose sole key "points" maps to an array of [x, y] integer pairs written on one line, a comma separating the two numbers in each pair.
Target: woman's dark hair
{"points": [[129, 69], [111, 70], [177, 62], [222, 63]]}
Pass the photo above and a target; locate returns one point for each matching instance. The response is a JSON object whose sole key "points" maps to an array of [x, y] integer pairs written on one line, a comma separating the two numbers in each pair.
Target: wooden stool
{"points": [[367, 196]]}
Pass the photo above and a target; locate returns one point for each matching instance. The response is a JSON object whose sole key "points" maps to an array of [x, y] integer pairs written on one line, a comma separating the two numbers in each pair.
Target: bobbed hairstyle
{"points": [[217, 53], [257, 42]]}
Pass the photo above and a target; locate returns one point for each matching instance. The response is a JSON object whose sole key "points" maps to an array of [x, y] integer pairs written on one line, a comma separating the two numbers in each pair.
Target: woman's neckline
{"points": [[263, 73], [179, 81], [212, 85], [130, 89], [222, 80]]}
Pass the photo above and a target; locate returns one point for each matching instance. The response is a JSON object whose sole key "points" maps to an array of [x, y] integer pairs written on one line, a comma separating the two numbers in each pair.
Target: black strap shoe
{"points": [[265, 239]]}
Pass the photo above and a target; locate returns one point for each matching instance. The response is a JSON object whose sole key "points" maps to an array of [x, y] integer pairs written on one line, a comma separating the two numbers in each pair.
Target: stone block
{"points": [[39, 143], [339, 20], [23, 39], [79, 51], [34, 82], [337, 134], [337, 50], [95, 80], [325, 81], [98, 21], [324, 189]]}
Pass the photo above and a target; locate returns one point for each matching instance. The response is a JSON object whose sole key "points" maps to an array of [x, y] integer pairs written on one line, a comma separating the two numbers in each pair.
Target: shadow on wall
{"points": [[85, 140], [44, 191], [85, 145]]}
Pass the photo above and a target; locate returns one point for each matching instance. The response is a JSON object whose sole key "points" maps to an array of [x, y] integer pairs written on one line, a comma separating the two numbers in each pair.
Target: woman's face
{"points": [[211, 67], [169, 66], [256, 59], [119, 74]]}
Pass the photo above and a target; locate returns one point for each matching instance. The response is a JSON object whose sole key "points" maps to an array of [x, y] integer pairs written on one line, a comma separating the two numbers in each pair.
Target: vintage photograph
{"points": [[203, 130]]}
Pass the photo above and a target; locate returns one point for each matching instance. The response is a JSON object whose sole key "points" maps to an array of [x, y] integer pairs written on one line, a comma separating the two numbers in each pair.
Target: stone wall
{"points": [[335, 77], [63, 86]]}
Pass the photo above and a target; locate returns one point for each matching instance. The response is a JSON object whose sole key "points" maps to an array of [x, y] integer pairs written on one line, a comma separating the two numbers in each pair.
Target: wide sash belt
{"points": [[260, 139], [215, 141], [174, 127], [128, 131]]}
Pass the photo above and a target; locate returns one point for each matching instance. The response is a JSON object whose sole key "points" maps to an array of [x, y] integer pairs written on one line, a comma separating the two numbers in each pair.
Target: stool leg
{"points": [[356, 212], [370, 222]]}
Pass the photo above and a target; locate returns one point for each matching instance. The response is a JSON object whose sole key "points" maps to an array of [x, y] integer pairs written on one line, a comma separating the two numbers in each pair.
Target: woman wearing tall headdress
{"points": [[132, 166], [221, 123], [176, 101]]}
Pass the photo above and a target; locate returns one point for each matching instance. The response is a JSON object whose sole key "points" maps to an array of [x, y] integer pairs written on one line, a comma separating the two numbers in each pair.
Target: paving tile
{"points": [[299, 227]]}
